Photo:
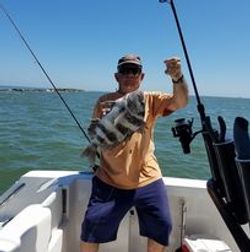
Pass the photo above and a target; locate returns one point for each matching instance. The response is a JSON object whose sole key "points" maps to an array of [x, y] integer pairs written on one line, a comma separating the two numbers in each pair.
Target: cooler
{"points": [[201, 243]]}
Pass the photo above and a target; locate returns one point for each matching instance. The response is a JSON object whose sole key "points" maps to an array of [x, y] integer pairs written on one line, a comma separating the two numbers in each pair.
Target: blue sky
{"points": [[79, 41]]}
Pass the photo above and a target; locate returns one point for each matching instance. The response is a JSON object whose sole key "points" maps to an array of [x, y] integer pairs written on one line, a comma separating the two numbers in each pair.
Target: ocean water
{"points": [[37, 132]]}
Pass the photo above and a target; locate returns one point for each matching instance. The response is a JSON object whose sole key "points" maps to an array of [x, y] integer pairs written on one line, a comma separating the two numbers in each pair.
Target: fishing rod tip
{"points": [[165, 1]]}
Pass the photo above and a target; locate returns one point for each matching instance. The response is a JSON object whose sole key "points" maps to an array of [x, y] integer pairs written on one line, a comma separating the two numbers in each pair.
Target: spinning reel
{"points": [[183, 130]]}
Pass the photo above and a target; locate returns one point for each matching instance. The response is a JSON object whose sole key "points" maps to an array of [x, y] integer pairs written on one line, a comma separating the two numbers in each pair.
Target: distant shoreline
{"points": [[30, 89], [6, 88]]}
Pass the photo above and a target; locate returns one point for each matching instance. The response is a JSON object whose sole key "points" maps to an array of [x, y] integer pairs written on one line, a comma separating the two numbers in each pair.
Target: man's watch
{"points": [[178, 80]]}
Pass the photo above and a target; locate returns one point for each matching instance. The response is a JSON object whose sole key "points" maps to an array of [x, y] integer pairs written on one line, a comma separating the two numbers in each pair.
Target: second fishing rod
{"points": [[225, 186], [183, 128]]}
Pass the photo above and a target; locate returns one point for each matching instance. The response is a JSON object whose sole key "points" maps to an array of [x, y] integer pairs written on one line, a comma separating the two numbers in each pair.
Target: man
{"points": [[129, 174]]}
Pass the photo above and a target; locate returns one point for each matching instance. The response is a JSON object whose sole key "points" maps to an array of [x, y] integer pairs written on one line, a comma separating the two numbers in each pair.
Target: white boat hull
{"points": [[45, 214]]}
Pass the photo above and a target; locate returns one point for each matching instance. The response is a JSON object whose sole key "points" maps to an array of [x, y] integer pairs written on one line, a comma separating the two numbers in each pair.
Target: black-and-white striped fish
{"points": [[125, 118]]}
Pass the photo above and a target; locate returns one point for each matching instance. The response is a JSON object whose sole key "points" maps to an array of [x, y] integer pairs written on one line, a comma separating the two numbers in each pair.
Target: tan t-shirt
{"points": [[132, 163]]}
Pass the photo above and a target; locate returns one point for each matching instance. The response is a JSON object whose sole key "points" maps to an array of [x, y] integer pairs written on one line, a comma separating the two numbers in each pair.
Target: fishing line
{"points": [[43, 70]]}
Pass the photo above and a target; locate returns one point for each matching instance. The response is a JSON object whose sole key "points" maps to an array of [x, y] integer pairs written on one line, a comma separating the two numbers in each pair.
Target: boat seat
{"points": [[31, 228]]}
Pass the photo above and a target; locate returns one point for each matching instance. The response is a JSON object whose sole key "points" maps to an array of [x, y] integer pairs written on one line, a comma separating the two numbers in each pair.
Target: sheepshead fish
{"points": [[125, 118]]}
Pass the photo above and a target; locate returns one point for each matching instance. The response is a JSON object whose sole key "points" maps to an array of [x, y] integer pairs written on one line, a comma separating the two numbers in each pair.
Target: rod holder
{"points": [[244, 174]]}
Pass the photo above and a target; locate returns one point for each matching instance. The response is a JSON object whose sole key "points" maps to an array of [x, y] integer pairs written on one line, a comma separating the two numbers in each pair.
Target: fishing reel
{"points": [[183, 130]]}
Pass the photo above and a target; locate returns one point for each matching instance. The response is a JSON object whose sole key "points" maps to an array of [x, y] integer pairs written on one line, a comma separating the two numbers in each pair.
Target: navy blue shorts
{"points": [[108, 205]]}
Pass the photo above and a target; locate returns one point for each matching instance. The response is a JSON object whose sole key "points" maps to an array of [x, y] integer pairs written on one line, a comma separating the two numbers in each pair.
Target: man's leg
{"points": [[89, 247], [154, 215], [154, 246], [106, 208]]}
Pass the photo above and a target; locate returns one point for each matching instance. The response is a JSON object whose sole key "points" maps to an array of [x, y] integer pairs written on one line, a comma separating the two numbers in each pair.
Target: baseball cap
{"points": [[129, 59]]}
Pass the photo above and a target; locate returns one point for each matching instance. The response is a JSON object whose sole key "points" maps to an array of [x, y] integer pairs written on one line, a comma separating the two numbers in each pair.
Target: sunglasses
{"points": [[129, 70]]}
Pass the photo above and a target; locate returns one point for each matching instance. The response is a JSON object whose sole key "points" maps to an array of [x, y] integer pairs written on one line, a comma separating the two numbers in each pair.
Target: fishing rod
{"points": [[201, 108], [226, 186], [43, 69], [183, 128]]}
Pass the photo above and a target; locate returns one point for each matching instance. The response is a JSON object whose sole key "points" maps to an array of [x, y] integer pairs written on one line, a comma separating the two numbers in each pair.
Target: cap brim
{"points": [[129, 62]]}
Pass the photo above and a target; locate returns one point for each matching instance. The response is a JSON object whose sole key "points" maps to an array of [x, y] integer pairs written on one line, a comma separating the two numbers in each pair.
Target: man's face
{"points": [[129, 77]]}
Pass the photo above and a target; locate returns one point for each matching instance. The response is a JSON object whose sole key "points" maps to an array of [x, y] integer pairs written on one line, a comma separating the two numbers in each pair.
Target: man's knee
{"points": [[88, 247], [154, 246]]}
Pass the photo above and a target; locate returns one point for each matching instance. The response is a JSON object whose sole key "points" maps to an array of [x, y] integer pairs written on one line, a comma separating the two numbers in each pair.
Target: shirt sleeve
{"points": [[159, 103]]}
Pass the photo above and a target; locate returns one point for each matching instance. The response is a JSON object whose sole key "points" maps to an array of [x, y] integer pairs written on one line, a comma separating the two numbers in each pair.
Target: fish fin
{"points": [[90, 153]]}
